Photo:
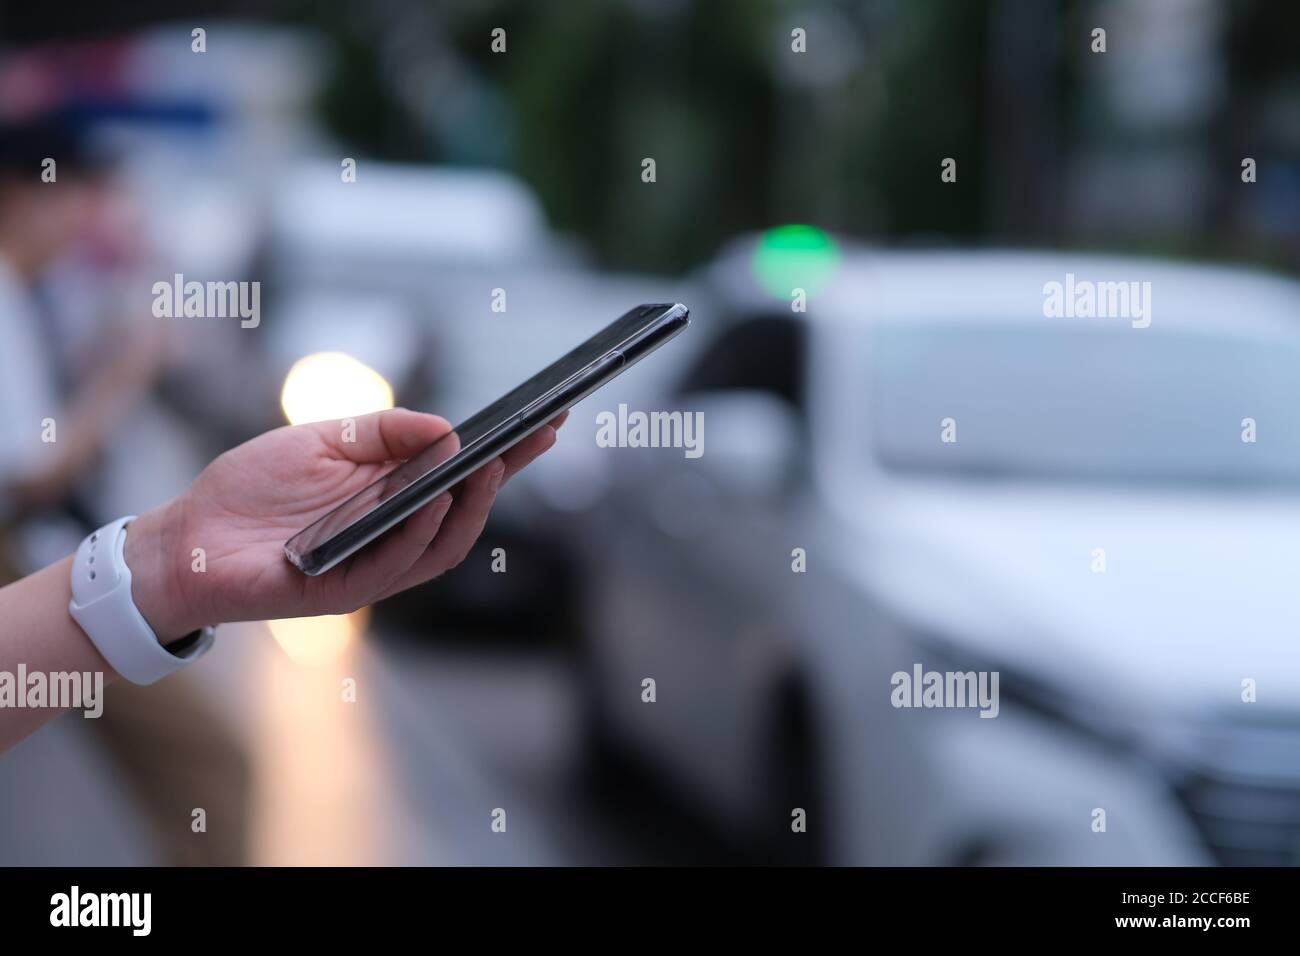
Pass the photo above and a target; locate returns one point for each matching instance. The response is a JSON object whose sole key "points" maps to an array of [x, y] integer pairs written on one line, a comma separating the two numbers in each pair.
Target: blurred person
{"points": [[57, 416], [39, 223], [243, 507]]}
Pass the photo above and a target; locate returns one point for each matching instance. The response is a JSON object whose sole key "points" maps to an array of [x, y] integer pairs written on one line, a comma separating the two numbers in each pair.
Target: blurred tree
{"points": [[747, 134], [597, 87], [932, 66], [1259, 118], [740, 140]]}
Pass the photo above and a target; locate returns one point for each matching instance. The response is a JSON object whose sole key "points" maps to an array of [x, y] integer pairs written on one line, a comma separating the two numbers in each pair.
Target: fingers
{"points": [[397, 433], [459, 531], [532, 446], [374, 571], [468, 516]]}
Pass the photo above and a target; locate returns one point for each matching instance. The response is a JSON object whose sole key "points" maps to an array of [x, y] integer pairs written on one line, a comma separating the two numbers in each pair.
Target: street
{"points": [[439, 737]]}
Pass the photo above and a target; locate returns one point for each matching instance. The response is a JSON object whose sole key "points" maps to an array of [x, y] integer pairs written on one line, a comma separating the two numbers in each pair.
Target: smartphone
{"points": [[514, 416]]}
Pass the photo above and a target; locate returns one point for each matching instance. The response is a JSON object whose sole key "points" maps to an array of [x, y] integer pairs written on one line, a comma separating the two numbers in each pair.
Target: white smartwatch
{"points": [[102, 604]]}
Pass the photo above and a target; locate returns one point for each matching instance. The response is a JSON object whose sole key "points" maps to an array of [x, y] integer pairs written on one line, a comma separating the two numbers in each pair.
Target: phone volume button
{"points": [[545, 409], [529, 414], [531, 418]]}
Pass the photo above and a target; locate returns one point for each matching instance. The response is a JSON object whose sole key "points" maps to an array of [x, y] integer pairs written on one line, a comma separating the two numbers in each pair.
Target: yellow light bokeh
{"points": [[315, 641], [330, 385]]}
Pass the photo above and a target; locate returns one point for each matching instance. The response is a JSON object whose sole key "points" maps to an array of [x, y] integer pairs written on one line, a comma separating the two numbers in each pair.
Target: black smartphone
{"points": [[511, 418]]}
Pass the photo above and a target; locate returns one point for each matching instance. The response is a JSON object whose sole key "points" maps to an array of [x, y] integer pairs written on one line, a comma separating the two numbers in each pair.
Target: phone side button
{"points": [[592, 377], [534, 418]]}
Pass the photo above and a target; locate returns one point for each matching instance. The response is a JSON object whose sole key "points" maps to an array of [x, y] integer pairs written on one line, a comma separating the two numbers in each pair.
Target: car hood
{"points": [[1199, 591]]}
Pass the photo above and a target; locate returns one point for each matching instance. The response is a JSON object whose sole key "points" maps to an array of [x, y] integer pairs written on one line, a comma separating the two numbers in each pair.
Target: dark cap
{"points": [[26, 144]]}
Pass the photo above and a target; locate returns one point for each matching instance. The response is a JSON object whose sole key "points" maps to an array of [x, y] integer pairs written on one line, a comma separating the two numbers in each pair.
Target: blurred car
{"points": [[1121, 684], [403, 227], [381, 268]]}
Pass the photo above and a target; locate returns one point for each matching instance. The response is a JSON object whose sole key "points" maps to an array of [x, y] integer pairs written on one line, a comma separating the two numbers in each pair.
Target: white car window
{"points": [[1086, 403]]}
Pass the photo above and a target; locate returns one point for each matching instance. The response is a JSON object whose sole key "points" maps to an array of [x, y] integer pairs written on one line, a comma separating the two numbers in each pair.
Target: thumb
{"points": [[395, 434]]}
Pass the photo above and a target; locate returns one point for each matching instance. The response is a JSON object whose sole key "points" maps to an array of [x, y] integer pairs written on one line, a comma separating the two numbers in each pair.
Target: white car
{"points": [[1103, 511]]}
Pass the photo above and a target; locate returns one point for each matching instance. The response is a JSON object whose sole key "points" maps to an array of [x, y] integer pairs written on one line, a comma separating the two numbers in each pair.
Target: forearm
{"points": [[37, 632], [235, 517]]}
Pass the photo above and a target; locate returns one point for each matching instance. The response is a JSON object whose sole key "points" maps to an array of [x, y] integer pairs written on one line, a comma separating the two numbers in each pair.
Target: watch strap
{"points": [[102, 604]]}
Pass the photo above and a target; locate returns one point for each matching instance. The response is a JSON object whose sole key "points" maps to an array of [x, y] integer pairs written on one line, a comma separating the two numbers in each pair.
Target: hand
{"points": [[248, 502], [51, 484], [95, 411]]}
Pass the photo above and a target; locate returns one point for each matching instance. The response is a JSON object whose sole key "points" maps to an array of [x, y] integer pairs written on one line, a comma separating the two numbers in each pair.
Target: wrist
{"points": [[151, 554]]}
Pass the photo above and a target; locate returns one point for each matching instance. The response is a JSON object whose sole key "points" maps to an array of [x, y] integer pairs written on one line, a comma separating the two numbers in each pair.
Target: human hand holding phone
{"points": [[359, 520], [244, 505], [398, 494]]}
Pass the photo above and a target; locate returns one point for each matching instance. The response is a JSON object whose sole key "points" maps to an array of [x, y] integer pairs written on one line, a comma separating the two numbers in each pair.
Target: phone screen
{"points": [[419, 479]]}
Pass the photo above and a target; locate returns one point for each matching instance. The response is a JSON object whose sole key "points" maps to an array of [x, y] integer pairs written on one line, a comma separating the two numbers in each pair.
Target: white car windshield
{"points": [[1087, 403]]}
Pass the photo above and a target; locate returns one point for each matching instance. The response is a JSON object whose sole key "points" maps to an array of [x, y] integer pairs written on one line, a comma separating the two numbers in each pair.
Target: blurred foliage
{"points": [[848, 136], [706, 89], [597, 87]]}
